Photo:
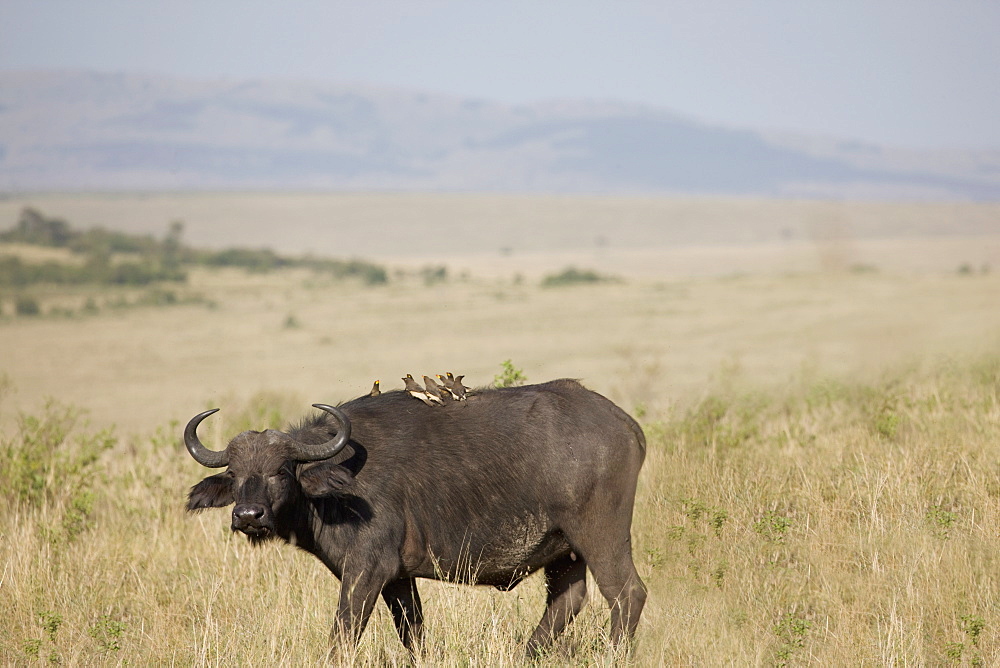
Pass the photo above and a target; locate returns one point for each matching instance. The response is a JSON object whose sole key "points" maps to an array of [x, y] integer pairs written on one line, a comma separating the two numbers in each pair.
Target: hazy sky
{"points": [[908, 73]]}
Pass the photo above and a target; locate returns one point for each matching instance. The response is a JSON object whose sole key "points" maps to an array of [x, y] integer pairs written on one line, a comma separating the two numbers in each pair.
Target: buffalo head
{"points": [[264, 474]]}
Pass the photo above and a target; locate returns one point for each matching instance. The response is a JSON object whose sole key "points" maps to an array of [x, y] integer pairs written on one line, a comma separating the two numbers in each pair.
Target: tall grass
{"points": [[817, 523], [828, 523]]}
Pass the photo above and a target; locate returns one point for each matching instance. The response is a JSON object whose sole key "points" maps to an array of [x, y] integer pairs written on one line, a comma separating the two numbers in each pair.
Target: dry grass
{"points": [[820, 522], [853, 525], [638, 341], [821, 484]]}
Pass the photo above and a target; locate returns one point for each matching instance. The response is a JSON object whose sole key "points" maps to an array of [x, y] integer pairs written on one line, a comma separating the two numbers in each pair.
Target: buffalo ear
{"points": [[325, 479], [214, 491]]}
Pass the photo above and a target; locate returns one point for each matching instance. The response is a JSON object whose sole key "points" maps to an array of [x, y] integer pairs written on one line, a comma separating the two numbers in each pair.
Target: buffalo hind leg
{"points": [[600, 531], [616, 577], [609, 557], [566, 585], [403, 600]]}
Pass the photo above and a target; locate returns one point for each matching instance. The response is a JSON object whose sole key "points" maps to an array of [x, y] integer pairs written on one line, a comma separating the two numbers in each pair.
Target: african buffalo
{"points": [[384, 490]]}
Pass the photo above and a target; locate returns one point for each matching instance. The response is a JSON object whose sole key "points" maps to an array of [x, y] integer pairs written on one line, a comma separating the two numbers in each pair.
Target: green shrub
{"points": [[27, 306], [159, 297], [509, 376], [97, 269], [99, 240], [142, 273], [434, 274], [107, 633], [33, 227], [370, 274], [43, 467], [772, 527], [574, 276], [792, 632], [255, 260]]}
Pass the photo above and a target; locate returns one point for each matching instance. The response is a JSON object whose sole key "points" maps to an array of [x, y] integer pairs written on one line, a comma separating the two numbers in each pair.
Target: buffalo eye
{"points": [[277, 484]]}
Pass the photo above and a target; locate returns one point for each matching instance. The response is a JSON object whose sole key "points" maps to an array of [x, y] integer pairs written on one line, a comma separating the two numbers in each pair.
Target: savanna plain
{"points": [[821, 404]]}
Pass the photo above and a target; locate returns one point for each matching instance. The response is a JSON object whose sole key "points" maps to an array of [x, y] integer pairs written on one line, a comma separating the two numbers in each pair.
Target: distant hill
{"points": [[88, 131]]}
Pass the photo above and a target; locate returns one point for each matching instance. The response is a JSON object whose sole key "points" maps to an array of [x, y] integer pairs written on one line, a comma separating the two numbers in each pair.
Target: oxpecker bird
{"points": [[412, 386], [375, 391], [434, 391], [458, 390], [416, 391], [446, 384]]}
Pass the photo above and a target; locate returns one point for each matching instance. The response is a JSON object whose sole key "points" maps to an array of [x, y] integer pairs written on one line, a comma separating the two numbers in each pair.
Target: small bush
{"points": [[574, 276], [27, 306], [862, 268], [792, 632], [772, 527], [159, 297], [434, 274], [509, 376], [107, 633], [42, 467], [33, 227], [941, 520], [368, 272], [254, 260]]}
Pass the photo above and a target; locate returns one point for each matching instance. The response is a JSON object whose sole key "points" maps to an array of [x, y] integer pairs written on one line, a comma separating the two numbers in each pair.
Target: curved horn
{"points": [[213, 459], [312, 453]]}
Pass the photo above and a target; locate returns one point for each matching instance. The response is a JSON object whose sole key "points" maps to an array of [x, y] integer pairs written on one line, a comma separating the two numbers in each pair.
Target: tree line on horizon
{"points": [[119, 258]]}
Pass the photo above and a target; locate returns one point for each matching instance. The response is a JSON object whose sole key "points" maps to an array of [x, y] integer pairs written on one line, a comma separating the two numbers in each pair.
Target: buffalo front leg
{"points": [[403, 600], [358, 593], [566, 586]]}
